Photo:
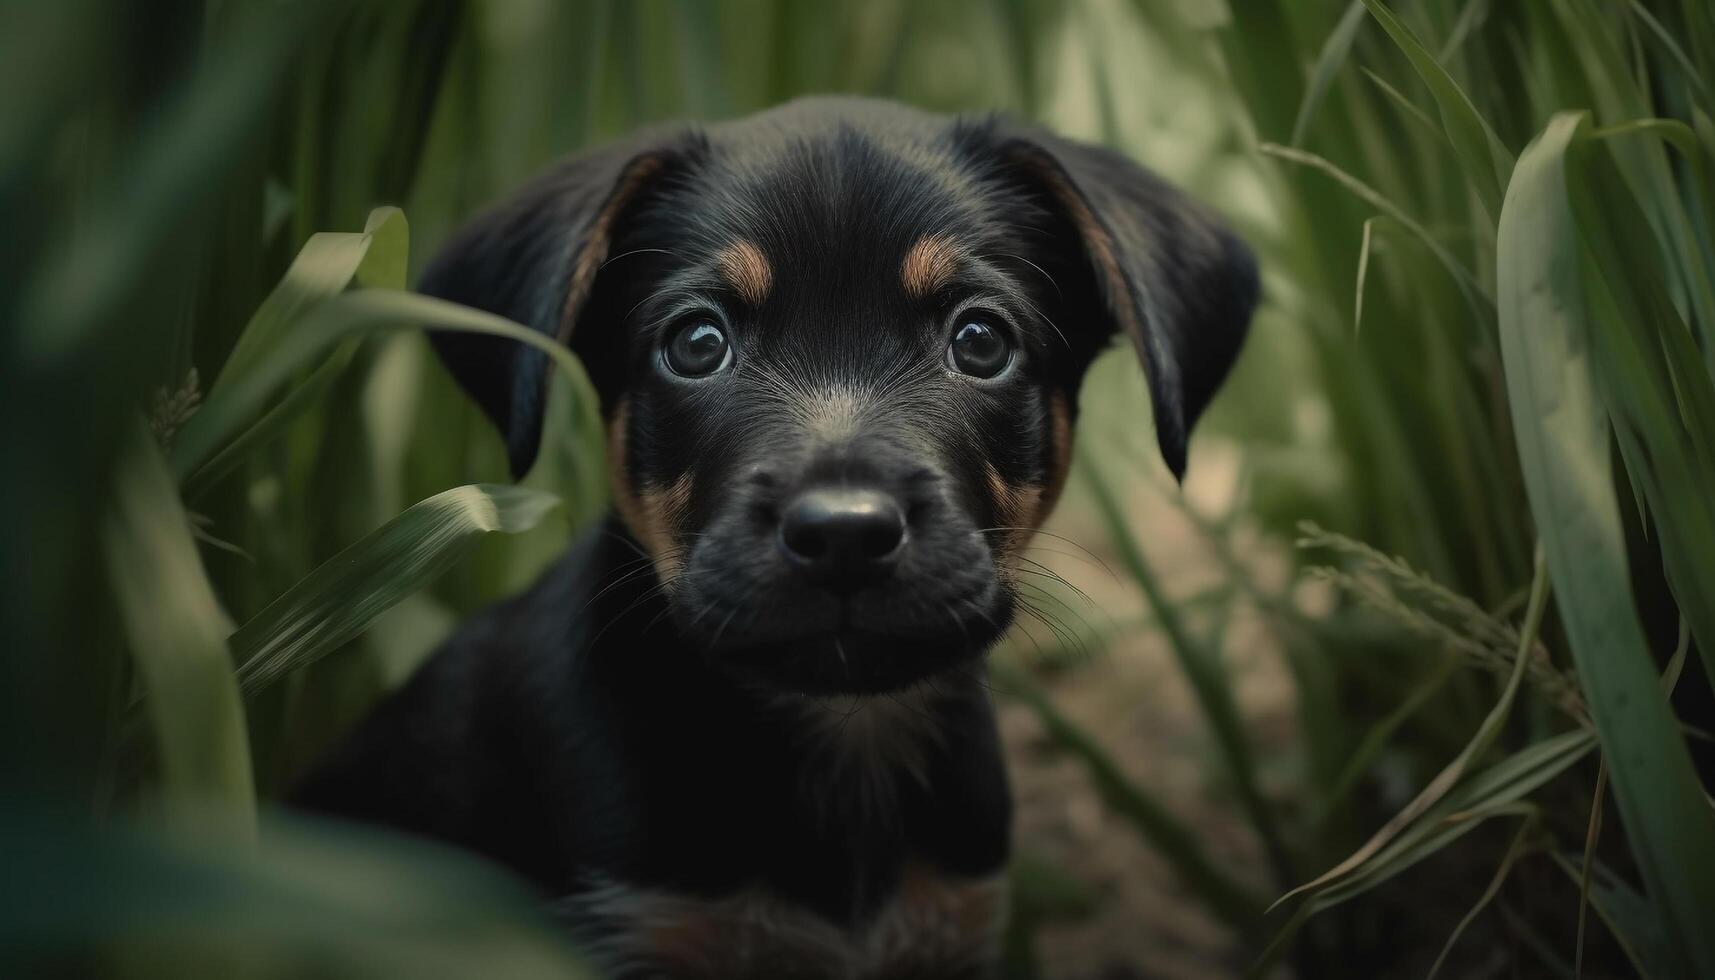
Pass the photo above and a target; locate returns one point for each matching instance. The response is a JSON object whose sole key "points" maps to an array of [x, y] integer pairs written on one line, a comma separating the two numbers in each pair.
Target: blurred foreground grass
{"points": [[240, 500]]}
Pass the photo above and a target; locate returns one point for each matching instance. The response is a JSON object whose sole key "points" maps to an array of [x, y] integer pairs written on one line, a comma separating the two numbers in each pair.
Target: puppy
{"points": [[741, 729]]}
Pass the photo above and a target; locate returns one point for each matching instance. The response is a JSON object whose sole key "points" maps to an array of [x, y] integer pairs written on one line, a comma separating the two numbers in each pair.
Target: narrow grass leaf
{"points": [[1507, 860], [1473, 291], [1676, 55], [355, 313], [1496, 791], [1626, 915], [342, 597], [323, 268], [1328, 64], [1487, 162], [1363, 276], [1450, 775], [1592, 833], [313, 899], [177, 633]]}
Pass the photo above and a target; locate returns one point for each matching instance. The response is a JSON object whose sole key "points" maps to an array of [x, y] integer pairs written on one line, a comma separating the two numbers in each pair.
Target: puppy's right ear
{"points": [[533, 258]]}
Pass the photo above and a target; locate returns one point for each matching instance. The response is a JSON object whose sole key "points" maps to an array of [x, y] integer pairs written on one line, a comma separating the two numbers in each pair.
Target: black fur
{"points": [[678, 735]]}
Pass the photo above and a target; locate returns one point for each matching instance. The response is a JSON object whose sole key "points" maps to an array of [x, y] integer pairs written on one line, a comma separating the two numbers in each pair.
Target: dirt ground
{"points": [[1133, 698]]}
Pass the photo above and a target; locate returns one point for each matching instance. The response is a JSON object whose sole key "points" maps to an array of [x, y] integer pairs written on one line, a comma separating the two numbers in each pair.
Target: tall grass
{"points": [[240, 501]]}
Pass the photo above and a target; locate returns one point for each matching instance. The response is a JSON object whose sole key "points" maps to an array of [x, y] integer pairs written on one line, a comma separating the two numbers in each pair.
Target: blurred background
{"points": [[241, 500]]}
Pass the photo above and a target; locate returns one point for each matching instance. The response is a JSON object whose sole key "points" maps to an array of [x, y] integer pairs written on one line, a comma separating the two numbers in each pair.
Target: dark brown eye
{"points": [[697, 349], [978, 348]]}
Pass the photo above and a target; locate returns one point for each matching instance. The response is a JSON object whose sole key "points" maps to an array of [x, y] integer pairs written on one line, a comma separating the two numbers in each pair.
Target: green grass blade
{"points": [[1562, 436], [1660, 401], [1507, 861], [1626, 914], [1202, 666], [356, 313], [324, 267], [1450, 775], [177, 632], [1468, 285], [341, 598], [1327, 67], [1487, 162], [1495, 791]]}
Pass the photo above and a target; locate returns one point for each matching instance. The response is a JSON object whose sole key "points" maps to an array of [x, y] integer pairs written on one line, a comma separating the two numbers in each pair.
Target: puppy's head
{"points": [[838, 346]]}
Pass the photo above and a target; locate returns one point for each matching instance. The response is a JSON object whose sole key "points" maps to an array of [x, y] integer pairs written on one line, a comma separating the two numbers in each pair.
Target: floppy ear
{"points": [[533, 258], [1173, 278]]}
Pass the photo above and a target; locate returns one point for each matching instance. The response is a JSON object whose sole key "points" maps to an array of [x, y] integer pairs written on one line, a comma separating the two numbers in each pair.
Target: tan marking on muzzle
{"points": [[746, 270], [929, 265], [653, 515]]}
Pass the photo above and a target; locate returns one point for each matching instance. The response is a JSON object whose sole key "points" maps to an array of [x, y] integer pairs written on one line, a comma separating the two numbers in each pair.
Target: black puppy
{"points": [[838, 347]]}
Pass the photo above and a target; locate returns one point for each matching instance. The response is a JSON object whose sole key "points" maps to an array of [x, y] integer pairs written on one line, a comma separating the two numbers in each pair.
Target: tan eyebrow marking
{"points": [[929, 265], [745, 269]]}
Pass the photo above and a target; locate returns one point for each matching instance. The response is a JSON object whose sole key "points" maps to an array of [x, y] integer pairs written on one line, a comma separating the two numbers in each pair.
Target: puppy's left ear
{"points": [[1172, 277]]}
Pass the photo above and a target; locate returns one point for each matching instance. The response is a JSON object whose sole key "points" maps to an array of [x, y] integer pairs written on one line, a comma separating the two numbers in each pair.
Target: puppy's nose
{"points": [[843, 539]]}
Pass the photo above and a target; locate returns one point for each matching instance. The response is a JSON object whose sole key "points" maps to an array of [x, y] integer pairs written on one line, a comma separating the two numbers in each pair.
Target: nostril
{"points": [[842, 538], [803, 537], [878, 538]]}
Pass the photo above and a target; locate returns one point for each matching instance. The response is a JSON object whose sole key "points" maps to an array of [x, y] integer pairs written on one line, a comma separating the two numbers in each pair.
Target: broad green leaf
{"points": [[355, 313], [177, 633], [327, 264], [341, 598], [324, 267], [272, 424], [82, 290], [1562, 436], [310, 899], [1487, 162]]}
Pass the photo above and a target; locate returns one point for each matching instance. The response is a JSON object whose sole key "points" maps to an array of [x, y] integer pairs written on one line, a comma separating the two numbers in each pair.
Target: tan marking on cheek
{"points": [[929, 265], [653, 515], [1060, 431], [1018, 510], [746, 270]]}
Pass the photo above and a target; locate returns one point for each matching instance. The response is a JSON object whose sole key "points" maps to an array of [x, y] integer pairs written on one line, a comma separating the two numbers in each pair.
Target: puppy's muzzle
{"points": [[843, 539]]}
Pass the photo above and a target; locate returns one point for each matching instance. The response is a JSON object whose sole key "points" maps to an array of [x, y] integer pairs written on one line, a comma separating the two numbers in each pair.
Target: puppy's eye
{"points": [[979, 348], [698, 348]]}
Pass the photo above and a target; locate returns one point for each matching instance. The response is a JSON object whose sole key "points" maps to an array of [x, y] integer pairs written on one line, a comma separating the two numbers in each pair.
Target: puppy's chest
{"points": [[936, 925]]}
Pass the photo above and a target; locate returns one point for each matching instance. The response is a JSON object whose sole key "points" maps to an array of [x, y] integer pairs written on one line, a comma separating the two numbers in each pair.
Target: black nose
{"points": [[843, 539]]}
